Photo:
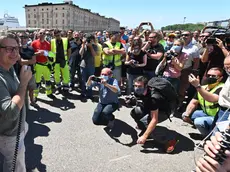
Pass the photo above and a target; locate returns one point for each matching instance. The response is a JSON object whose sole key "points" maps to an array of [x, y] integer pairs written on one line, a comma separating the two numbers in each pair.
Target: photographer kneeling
{"points": [[109, 91]]}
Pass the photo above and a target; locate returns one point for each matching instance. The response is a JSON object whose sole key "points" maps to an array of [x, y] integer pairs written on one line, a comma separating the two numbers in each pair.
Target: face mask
{"points": [[176, 48], [211, 81], [139, 91], [105, 77]]}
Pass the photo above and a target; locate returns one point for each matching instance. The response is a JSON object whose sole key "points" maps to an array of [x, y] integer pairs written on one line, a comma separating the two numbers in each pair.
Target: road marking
{"points": [[117, 159]]}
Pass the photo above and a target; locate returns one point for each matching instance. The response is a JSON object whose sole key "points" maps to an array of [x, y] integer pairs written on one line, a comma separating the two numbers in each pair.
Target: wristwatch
{"points": [[198, 86]]}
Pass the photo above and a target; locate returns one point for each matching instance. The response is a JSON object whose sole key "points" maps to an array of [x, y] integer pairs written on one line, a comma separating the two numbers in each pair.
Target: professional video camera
{"points": [[217, 32]]}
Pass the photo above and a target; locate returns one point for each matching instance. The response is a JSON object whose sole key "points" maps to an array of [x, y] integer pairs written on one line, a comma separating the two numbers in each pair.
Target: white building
{"points": [[66, 16]]}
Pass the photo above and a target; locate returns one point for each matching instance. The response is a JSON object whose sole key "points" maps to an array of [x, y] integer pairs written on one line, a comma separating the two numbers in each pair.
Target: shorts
{"points": [[32, 83]]}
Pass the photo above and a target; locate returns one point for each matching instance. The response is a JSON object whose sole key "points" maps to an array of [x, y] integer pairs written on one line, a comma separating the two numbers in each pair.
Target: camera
{"points": [[170, 55], [89, 37], [211, 41], [96, 79]]}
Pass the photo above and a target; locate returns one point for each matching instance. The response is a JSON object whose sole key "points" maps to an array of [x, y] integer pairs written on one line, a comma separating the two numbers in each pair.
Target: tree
{"points": [[187, 27]]}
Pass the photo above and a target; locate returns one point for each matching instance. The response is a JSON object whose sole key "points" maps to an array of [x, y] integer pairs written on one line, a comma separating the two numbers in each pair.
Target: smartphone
{"points": [[195, 72], [96, 79]]}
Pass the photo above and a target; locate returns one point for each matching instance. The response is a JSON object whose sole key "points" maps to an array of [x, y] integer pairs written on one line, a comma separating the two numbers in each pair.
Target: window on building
{"points": [[63, 21], [63, 14], [47, 9], [42, 21], [28, 15], [29, 21], [34, 15], [35, 22], [56, 22], [56, 14], [34, 9], [42, 15], [47, 21], [63, 8], [42, 9], [56, 9], [28, 10]]}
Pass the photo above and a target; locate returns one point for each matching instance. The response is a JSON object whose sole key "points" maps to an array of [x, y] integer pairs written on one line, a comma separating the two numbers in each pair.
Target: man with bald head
{"points": [[108, 94]]}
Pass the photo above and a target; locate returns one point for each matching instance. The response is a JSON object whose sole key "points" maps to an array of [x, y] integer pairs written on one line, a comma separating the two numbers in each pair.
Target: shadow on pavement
{"points": [[120, 127], [63, 104], [161, 135], [34, 151]]}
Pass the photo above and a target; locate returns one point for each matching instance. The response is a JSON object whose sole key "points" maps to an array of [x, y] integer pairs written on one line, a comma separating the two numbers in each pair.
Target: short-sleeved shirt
{"points": [[106, 95], [139, 58], [151, 104], [152, 63], [193, 52], [171, 71], [38, 45], [124, 39], [88, 58]]}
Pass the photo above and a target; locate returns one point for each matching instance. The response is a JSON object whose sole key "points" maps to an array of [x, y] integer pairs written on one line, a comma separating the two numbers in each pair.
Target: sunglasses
{"points": [[42, 33], [185, 34], [153, 37]]}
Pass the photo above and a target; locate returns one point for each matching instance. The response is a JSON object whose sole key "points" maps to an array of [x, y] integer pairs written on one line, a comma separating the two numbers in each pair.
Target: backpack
{"points": [[167, 91]]}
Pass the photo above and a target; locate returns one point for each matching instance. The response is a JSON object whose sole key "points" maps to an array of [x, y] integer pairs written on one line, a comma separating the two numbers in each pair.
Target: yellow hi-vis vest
{"points": [[209, 108], [53, 51], [109, 58]]}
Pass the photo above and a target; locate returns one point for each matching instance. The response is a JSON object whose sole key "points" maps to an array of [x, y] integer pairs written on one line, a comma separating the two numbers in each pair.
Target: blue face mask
{"points": [[139, 91], [176, 48], [105, 77]]}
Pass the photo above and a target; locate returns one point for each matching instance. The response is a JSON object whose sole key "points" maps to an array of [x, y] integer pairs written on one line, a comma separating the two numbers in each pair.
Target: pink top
{"points": [[171, 71]]}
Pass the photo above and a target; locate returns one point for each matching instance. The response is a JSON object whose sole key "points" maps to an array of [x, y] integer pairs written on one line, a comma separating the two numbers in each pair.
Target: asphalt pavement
{"points": [[62, 138]]}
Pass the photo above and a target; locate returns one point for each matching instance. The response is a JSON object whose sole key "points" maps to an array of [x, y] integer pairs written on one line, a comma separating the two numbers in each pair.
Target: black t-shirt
{"points": [[27, 53], [139, 58], [60, 51], [151, 104], [152, 63]]}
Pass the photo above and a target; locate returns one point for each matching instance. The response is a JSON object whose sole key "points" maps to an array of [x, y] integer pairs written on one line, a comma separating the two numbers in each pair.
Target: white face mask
{"points": [[176, 48], [105, 77]]}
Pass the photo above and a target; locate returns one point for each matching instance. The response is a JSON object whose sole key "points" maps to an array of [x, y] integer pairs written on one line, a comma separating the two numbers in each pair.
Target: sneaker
{"points": [[170, 146], [58, 91], [34, 104], [110, 125]]}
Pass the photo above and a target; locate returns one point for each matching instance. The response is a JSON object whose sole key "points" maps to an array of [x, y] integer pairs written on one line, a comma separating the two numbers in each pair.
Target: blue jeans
{"points": [[203, 122], [104, 113], [130, 79], [86, 73], [219, 116]]}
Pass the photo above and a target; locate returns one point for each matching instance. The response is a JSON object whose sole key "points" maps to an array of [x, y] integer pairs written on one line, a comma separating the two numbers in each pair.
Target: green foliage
{"points": [[187, 27]]}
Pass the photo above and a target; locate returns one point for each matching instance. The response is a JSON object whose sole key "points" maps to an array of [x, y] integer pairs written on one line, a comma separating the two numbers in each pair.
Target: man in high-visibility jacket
{"points": [[42, 66], [207, 97], [112, 52], [60, 52]]}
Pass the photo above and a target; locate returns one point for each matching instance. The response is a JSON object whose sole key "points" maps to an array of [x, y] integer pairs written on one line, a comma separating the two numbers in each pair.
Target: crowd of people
{"points": [[178, 72]]}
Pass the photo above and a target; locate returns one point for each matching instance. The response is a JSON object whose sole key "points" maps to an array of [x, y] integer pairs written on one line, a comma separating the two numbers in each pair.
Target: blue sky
{"points": [[131, 12]]}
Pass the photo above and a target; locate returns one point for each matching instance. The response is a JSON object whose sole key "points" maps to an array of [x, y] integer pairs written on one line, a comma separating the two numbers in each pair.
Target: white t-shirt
{"points": [[224, 96], [192, 51]]}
